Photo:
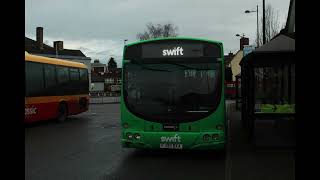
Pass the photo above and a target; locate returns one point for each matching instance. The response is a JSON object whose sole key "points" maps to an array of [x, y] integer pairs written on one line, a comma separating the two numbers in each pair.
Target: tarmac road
{"points": [[87, 147]]}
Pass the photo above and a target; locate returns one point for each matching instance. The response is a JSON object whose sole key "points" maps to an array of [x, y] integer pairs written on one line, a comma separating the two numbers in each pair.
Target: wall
{"points": [[97, 86], [235, 67]]}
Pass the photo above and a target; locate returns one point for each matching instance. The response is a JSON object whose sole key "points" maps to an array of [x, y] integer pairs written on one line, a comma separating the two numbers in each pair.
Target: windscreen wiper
{"points": [[148, 68], [188, 67]]}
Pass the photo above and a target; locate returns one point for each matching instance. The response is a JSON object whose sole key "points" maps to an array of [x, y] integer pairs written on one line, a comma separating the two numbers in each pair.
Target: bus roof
{"points": [[42, 59], [173, 38]]}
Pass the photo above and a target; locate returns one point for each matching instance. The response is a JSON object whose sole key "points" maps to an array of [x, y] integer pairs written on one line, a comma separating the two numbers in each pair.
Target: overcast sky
{"points": [[98, 27]]}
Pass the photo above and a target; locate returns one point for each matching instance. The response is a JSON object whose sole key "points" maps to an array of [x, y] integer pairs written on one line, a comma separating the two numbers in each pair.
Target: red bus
{"points": [[230, 89], [54, 88]]}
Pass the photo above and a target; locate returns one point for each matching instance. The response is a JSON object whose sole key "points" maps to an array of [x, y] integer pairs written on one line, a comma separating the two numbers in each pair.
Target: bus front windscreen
{"points": [[172, 92]]}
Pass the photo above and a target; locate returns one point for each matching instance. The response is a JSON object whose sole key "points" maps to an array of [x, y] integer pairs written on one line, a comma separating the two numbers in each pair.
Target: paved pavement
{"points": [[87, 147], [249, 162]]}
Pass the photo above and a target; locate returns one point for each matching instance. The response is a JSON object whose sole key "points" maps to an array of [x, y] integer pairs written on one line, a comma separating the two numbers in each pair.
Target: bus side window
{"points": [[50, 80], [62, 74], [34, 79], [63, 79], [84, 81], [74, 84], [74, 74], [83, 74]]}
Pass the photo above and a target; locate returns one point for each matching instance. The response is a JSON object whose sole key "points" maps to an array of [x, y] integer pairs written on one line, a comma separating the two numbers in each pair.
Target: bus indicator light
{"points": [[206, 137], [215, 136], [125, 125]]}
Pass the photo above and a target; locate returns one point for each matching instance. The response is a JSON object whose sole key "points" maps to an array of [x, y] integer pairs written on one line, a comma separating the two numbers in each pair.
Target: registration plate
{"points": [[171, 146]]}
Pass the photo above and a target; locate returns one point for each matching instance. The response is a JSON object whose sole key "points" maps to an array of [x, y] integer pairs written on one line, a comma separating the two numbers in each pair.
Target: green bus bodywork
{"points": [[190, 134]]}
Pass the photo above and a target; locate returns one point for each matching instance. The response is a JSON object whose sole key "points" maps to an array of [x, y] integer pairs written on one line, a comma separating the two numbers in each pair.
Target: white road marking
{"points": [[228, 153]]}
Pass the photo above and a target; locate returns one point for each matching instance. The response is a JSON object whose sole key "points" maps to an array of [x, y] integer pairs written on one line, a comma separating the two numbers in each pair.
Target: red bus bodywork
{"points": [[230, 89], [44, 108]]}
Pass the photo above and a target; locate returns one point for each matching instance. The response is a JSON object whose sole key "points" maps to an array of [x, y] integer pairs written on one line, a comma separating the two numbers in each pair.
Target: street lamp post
{"points": [[242, 36], [264, 23], [247, 11], [56, 52]]}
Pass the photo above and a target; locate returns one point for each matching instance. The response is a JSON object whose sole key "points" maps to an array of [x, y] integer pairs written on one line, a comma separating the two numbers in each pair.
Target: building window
{"points": [[98, 69], [109, 80]]}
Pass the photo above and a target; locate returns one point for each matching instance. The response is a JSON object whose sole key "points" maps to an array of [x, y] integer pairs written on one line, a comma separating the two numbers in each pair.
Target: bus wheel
{"points": [[62, 112]]}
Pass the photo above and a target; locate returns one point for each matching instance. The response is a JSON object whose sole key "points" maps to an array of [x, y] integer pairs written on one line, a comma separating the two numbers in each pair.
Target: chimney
{"points": [[243, 41], [58, 45], [40, 37]]}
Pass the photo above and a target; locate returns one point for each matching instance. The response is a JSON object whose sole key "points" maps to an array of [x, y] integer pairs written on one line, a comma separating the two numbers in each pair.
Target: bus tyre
{"points": [[62, 112]]}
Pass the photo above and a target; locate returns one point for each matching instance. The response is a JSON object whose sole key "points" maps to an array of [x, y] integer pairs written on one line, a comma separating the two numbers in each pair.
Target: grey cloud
{"points": [[116, 20]]}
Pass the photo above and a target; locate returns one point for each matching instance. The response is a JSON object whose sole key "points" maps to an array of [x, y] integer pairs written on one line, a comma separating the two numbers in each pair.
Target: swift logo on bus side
{"points": [[173, 52], [175, 138]]}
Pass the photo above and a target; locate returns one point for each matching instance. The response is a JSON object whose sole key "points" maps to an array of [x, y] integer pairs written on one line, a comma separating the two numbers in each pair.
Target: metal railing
{"points": [[104, 98]]}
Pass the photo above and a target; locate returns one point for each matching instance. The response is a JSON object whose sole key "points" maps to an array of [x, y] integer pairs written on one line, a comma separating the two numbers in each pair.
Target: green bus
{"points": [[172, 95]]}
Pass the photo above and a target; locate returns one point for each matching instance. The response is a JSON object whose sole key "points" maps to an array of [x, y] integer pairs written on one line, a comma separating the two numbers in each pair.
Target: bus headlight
{"points": [[129, 135], [137, 136]]}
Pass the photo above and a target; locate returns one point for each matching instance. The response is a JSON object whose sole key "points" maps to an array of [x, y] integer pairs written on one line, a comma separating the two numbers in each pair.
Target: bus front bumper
{"points": [[214, 140]]}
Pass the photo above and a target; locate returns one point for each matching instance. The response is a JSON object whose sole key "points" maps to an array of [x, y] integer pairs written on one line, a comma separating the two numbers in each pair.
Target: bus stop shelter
{"points": [[268, 92]]}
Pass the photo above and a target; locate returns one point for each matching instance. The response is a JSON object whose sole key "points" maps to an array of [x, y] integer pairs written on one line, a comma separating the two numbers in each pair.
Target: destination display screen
{"points": [[172, 50]]}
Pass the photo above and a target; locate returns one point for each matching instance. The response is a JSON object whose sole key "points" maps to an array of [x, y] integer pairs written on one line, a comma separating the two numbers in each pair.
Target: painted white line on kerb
{"points": [[228, 153], [294, 168], [198, 111]]}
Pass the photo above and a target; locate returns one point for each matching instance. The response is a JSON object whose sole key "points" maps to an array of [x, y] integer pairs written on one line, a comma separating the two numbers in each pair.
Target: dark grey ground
{"points": [[87, 147]]}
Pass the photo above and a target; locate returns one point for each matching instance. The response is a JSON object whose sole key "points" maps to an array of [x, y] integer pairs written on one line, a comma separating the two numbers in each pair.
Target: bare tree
{"points": [[272, 27], [157, 31], [112, 64]]}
